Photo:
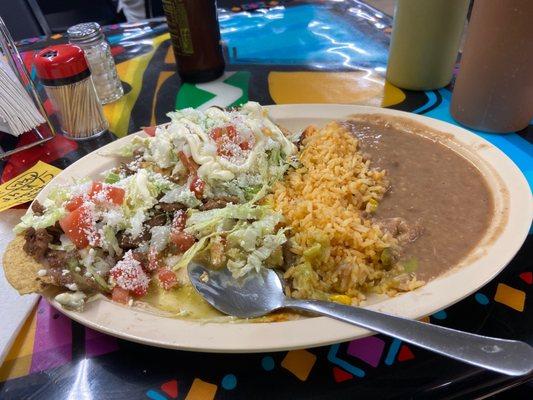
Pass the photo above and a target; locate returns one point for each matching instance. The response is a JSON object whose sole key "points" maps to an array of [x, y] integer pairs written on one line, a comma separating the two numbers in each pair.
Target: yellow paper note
{"points": [[26, 186]]}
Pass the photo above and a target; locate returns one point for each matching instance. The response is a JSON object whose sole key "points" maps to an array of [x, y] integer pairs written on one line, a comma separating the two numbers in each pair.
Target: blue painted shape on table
{"points": [[332, 357], [441, 315], [268, 363], [301, 35], [393, 351], [513, 145], [229, 382], [152, 394], [481, 299], [432, 100]]}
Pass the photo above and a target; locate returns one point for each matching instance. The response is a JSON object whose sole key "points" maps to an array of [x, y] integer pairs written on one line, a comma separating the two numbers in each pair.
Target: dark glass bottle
{"points": [[195, 36]]}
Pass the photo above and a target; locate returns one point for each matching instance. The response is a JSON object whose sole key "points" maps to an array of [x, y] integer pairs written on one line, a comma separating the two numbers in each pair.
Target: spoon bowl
{"points": [[254, 295]]}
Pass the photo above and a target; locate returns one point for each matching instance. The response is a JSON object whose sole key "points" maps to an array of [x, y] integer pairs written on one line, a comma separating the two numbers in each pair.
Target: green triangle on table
{"points": [[189, 95]]}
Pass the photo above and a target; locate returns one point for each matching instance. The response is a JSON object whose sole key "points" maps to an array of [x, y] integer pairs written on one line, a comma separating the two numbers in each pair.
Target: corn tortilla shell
{"points": [[21, 269]]}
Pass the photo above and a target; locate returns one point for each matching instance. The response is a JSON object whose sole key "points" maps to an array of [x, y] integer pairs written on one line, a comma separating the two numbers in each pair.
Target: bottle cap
{"points": [[61, 65], [84, 33]]}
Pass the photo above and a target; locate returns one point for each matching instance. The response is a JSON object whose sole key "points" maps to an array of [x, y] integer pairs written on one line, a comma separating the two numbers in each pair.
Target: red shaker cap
{"points": [[61, 64]]}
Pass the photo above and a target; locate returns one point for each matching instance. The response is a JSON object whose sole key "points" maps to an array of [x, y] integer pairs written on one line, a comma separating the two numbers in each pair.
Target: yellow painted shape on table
{"points": [[18, 360], [201, 390], [357, 87], [25, 187], [425, 319], [510, 296], [163, 76], [300, 363], [169, 57], [131, 71]]}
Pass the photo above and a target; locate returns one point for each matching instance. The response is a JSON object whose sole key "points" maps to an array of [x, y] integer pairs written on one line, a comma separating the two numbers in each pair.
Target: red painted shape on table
{"points": [[527, 277], [115, 50], [405, 354], [48, 152], [170, 388], [340, 375]]}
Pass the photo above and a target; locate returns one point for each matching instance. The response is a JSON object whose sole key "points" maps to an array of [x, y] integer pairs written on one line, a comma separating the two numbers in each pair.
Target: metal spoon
{"points": [[261, 293]]}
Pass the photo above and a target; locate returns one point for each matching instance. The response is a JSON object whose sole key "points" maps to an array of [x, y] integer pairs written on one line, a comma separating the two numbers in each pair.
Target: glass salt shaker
{"points": [[90, 38]]}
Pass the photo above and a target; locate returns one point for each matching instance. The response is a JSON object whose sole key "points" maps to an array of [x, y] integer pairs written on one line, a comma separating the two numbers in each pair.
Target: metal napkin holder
{"points": [[43, 132]]}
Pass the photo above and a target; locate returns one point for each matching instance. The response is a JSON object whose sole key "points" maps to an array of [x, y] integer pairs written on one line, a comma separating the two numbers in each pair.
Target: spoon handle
{"points": [[510, 357]]}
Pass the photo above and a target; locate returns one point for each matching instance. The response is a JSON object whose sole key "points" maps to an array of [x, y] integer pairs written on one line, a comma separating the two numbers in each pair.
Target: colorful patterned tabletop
{"points": [[278, 52]]}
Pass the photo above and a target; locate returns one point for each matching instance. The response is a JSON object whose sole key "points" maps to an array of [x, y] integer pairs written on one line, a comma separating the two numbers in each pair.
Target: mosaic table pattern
{"points": [[278, 52]]}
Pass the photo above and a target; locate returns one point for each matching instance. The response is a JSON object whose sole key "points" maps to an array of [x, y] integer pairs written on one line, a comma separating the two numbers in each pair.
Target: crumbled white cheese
{"points": [[41, 272], [74, 300], [72, 286]]}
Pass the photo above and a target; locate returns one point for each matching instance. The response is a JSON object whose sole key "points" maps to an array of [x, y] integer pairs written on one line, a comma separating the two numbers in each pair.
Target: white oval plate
{"points": [[513, 203]]}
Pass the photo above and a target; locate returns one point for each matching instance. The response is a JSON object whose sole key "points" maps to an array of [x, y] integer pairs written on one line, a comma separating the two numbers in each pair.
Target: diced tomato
{"points": [[227, 132], [96, 187], [150, 130], [77, 225], [116, 195], [140, 291], [225, 148], [182, 240], [231, 132], [217, 134], [167, 278], [107, 193], [74, 203], [120, 295], [197, 186], [129, 275], [245, 145], [153, 259], [180, 218], [188, 162]]}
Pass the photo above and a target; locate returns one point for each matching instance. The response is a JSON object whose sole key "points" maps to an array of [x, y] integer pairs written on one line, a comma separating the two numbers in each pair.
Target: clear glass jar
{"points": [[90, 38]]}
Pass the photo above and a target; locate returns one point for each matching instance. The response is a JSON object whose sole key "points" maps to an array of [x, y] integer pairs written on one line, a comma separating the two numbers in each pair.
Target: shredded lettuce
{"points": [[205, 222], [127, 150], [256, 258], [160, 150], [141, 192], [58, 195], [66, 244], [305, 281], [187, 257], [160, 182], [183, 195], [98, 279], [112, 177], [248, 236], [49, 218], [110, 242]]}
